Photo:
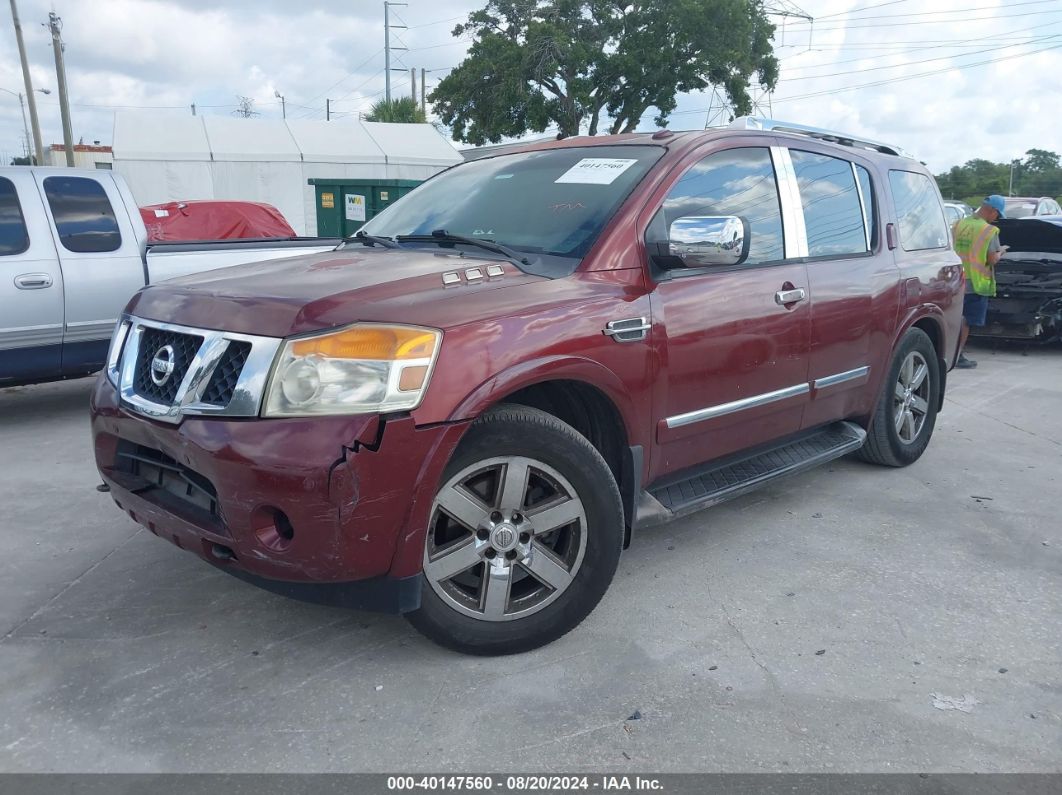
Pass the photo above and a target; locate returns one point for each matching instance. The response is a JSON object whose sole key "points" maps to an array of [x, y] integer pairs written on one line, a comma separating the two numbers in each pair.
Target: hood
{"points": [[1043, 235], [324, 290]]}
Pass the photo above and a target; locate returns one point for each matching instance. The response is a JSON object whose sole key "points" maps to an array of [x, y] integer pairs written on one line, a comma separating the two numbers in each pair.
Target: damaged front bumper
{"points": [[1028, 302], [316, 508]]}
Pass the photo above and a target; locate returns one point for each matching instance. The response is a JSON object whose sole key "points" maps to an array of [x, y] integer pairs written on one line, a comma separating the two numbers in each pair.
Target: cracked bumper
{"points": [[356, 492]]}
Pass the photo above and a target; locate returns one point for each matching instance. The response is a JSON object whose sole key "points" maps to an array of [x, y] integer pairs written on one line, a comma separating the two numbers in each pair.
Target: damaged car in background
{"points": [[1028, 301]]}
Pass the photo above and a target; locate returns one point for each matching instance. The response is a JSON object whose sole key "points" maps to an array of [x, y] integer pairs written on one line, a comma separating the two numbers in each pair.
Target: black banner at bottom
{"points": [[533, 784]]}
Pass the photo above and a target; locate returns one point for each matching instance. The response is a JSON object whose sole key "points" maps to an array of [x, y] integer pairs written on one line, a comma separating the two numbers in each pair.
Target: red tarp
{"points": [[213, 220]]}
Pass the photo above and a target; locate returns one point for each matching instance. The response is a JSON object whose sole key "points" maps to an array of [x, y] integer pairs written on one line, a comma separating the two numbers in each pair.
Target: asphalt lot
{"points": [[826, 623]]}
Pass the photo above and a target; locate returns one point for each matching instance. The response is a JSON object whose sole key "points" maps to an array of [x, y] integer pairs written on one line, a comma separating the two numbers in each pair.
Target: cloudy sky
{"points": [[972, 78]]}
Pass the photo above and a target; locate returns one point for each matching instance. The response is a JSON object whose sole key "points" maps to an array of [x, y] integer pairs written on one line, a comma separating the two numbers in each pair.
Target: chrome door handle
{"points": [[783, 297], [33, 281]]}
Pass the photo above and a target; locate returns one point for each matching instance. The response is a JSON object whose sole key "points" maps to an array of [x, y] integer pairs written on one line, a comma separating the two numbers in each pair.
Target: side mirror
{"points": [[709, 240]]}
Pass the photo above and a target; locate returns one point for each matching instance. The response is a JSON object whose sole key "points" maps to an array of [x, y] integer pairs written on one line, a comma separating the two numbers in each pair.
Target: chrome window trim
{"points": [[793, 229], [711, 412], [841, 378], [247, 395], [862, 204]]}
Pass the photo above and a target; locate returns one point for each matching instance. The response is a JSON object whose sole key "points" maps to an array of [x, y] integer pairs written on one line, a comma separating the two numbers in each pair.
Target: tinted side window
{"points": [[920, 215], [14, 239], [83, 214], [833, 215], [737, 182]]}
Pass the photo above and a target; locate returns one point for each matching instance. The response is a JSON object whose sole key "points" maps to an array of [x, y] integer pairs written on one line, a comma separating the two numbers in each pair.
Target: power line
{"points": [[954, 11], [915, 63], [347, 76], [963, 20], [936, 44], [860, 10], [843, 89], [921, 74]]}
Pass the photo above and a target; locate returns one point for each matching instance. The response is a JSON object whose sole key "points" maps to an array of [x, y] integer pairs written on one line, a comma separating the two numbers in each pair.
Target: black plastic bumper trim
{"points": [[377, 594]]}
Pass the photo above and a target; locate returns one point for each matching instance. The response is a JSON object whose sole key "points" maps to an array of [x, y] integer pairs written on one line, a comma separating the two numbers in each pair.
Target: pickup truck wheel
{"points": [[907, 410], [524, 537]]}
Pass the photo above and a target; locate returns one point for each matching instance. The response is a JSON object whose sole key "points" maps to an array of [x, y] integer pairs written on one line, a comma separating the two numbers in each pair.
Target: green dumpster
{"points": [[343, 205]]}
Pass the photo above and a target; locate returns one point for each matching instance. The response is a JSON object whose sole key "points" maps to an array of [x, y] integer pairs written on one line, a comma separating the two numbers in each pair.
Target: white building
{"points": [[85, 156], [169, 158]]}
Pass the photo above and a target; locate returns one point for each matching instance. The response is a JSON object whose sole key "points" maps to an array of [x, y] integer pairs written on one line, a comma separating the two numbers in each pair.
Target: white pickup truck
{"points": [[73, 250]]}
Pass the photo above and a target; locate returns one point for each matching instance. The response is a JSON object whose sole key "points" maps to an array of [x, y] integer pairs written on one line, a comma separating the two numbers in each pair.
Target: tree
{"points": [[576, 63], [24, 161], [1039, 174], [403, 110]]}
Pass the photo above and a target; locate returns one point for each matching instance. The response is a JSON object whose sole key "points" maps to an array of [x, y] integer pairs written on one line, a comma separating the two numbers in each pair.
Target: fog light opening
{"points": [[222, 552], [273, 528], [283, 524]]}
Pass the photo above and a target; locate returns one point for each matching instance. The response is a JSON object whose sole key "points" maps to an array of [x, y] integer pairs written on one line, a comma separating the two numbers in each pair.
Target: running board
{"points": [[719, 482]]}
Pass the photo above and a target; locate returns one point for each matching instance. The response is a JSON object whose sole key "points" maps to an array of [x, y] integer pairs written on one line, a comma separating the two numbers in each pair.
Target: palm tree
{"points": [[403, 110]]}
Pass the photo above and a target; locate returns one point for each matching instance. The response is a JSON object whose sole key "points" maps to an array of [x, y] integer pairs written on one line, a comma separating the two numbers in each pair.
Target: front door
{"points": [[100, 258], [736, 338], [31, 285]]}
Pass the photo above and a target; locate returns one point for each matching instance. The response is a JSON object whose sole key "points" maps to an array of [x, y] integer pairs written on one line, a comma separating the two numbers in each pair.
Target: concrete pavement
{"points": [[850, 619]]}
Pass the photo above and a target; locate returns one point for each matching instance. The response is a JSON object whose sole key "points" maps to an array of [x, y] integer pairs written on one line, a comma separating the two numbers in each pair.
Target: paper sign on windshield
{"points": [[595, 171]]}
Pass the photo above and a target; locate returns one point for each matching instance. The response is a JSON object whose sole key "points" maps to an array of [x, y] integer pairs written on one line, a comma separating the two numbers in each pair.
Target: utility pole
{"points": [[388, 47], [25, 128], [328, 110], [193, 108], [1010, 189], [413, 85], [423, 94], [55, 25], [37, 144]]}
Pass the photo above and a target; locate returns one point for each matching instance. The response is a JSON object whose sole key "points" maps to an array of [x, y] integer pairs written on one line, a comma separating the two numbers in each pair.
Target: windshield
{"points": [[1019, 208], [550, 204]]}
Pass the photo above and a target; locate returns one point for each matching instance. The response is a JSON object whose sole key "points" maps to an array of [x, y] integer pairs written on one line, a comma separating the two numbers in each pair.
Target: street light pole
{"points": [[1010, 189], [283, 105], [37, 144]]}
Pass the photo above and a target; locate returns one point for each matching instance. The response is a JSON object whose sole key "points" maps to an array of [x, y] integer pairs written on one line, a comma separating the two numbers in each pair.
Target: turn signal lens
{"points": [[371, 343]]}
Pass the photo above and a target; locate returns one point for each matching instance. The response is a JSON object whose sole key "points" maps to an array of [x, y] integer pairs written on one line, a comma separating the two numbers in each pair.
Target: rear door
{"points": [[853, 279], [100, 258], [734, 352], [31, 285]]}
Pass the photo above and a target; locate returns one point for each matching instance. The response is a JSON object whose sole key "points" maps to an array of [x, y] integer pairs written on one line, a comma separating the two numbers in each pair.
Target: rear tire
{"points": [[524, 537], [907, 409]]}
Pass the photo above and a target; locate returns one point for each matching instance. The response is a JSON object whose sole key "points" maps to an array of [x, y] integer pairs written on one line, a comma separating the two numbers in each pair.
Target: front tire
{"points": [[907, 410], [524, 537]]}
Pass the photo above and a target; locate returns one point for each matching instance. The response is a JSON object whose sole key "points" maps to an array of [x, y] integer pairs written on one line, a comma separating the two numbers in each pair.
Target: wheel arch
{"points": [[932, 324], [582, 393]]}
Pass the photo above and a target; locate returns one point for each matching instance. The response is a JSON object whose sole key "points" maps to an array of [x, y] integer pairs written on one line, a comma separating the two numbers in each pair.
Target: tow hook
{"points": [[103, 488]]}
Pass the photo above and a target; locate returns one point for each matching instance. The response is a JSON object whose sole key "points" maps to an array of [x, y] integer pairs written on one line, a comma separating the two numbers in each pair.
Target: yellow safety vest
{"points": [[973, 235]]}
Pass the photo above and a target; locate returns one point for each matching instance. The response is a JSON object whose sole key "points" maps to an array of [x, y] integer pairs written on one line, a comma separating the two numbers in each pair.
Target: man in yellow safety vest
{"points": [[977, 243]]}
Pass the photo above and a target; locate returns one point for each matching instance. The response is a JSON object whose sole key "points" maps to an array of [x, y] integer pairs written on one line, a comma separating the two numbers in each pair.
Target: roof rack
{"points": [[775, 125]]}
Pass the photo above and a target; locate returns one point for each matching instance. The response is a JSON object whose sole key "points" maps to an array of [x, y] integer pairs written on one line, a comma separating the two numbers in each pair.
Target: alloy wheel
{"points": [[507, 537], [911, 397]]}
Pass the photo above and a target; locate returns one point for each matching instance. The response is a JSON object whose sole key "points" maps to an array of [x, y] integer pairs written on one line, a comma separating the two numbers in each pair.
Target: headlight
{"points": [[114, 353], [362, 369]]}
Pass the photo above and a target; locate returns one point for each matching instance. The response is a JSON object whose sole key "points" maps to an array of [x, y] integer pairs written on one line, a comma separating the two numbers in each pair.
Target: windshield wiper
{"points": [[372, 240], [443, 237]]}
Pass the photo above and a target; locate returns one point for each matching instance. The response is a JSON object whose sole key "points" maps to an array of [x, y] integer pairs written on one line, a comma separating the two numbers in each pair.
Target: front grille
{"points": [[166, 482], [152, 341], [226, 374]]}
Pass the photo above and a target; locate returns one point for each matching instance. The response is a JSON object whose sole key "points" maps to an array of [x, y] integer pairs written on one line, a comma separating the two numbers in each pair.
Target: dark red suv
{"points": [[464, 413]]}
